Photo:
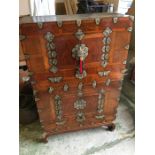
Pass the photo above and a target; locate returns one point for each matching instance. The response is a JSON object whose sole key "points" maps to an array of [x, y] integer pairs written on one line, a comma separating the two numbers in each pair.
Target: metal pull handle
{"points": [[81, 65], [82, 54]]}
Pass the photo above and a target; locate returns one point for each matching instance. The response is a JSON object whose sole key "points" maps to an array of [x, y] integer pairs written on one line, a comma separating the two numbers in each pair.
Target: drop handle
{"points": [[81, 65], [82, 55]]}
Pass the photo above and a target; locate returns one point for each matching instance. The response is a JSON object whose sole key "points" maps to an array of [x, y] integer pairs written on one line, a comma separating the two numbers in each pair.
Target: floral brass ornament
{"points": [[79, 34], [97, 21], [79, 104], [40, 25], [107, 32], [59, 23], [50, 90], [103, 73], [66, 87], [58, 110], [94, 83], [108, 81], [55, 79], [115, 20], [80, 50], [100, 105], [80, 117], [78, 22]]}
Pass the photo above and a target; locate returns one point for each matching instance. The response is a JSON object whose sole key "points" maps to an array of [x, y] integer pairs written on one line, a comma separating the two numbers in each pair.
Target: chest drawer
{"points": [[93, 107]]}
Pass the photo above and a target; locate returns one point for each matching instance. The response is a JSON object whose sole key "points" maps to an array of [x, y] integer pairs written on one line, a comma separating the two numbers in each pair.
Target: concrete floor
{"points": [[96, 141]]}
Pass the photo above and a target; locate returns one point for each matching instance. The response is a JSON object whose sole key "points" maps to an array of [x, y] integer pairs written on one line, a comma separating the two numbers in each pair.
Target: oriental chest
{"points": [[76, 67]]}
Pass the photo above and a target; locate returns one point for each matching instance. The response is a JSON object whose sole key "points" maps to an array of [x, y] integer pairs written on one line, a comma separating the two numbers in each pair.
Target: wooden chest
{"points": [[76, 65]]}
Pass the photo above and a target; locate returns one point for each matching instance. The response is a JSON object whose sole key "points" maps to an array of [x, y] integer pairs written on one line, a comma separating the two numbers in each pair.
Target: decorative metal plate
{"points": [[103, 73], [130, 29], [97, 21], [78, 22], [55, 79], [22, 37], [105, 49], [115, 20], [53, 69], [127, 47], [94, 83], [80, 117], [50, 90], [79, 34], [49, 36], [50, 46], [40, 25], [104, 56], [131, 18], [53, 61], [107, 32], [104, 63], [99, 116], [59, 23], [106, 40], [80, 76], [108, 81], [66, 87], [80, 86], [124, 62]]}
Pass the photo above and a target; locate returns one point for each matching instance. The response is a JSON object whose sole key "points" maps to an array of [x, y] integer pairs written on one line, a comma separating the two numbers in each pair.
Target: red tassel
{"points": [[81, 66]]}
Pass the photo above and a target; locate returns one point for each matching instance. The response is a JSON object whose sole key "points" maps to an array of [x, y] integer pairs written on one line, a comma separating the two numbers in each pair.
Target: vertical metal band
{"points": [[51, 52], [100, 105], [106, 47], [58, 110]]}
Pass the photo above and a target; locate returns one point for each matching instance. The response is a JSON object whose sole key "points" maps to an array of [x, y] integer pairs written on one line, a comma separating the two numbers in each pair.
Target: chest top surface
{"points": [[35, 19]]}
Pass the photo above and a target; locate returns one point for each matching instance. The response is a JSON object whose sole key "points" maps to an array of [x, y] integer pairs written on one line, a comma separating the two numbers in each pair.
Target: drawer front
{"points": [[53, 48], [45, 80], [95, 106]]}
